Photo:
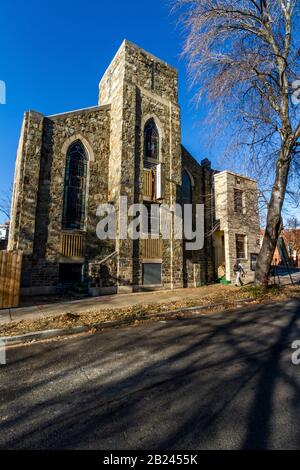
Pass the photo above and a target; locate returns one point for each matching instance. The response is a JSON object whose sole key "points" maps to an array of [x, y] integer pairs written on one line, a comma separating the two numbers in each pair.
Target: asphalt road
{"points": [[283, 276], [223, 381]]}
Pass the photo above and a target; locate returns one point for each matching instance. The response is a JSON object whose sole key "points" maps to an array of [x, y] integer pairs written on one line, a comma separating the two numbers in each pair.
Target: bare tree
{"points": [[244, 58], [292, 223], [5, 202]]}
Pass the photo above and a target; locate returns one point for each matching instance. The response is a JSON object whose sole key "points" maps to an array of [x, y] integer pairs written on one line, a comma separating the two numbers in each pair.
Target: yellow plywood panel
{"points": [[10, 277]]}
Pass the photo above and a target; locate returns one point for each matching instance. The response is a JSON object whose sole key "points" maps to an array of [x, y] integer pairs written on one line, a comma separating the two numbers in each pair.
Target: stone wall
{"points": [[199, 264], [233, 223], [41, 164], [25, 196]]}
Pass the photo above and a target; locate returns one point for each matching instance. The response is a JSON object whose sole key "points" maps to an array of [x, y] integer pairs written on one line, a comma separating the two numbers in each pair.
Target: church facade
{"points": [[128, 145]]}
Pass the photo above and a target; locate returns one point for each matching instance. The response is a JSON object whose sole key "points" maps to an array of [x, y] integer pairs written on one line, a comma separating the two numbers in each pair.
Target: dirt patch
{"points": [[227, 297]]}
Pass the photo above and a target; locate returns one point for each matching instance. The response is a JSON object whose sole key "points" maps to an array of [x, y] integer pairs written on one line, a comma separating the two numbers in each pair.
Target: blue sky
{"points": [[53, 55]]}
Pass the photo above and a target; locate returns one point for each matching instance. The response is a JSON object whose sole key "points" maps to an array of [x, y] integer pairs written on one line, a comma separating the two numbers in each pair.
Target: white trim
{"points": [[160, 130], [90, 108]]}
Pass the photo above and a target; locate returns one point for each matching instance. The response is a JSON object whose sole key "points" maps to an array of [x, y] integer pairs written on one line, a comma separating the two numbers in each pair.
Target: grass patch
{"points": [[259, 293]]}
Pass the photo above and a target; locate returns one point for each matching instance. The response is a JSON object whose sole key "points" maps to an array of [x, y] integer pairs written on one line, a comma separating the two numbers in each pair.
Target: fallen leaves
{"points": [[208, 296]]}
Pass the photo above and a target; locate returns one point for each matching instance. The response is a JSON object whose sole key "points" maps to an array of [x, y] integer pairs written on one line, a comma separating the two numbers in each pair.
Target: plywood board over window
{"points": [[10, 275]]}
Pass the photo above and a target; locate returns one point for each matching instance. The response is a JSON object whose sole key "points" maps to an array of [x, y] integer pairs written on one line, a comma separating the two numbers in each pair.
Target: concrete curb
{"points": [[236, 303], [48, 334]]}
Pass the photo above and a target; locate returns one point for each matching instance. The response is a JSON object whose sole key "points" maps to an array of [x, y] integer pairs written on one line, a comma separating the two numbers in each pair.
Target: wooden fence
{"points": [[10, 276]]}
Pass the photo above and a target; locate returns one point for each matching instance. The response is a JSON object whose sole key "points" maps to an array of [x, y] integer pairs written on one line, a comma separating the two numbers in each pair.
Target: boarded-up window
{"points": [[240, 246], [151, 274], [238, 201]]}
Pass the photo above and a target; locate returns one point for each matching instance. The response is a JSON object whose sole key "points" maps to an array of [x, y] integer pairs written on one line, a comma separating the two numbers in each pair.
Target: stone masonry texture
{"points": [[135, 88]]}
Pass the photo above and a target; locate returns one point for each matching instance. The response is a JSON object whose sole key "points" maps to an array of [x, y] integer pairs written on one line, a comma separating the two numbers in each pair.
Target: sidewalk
{"points": [[109, 302]]}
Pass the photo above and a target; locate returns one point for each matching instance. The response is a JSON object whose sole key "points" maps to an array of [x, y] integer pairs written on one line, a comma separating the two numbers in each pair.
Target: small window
{"points": [[151, 140], [240, 246], [187, 188], [253, 260], [151, 274], [238, 201]]}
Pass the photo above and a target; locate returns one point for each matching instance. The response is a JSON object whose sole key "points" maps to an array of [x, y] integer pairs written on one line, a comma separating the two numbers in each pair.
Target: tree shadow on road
{"points": [[220, 381]]}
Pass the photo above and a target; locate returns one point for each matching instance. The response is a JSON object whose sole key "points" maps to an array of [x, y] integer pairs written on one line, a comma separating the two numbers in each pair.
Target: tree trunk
{"points": [[274, 224]]}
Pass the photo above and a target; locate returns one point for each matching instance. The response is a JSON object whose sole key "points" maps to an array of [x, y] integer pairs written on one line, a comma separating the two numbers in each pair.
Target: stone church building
{"points": [[129, 145]]}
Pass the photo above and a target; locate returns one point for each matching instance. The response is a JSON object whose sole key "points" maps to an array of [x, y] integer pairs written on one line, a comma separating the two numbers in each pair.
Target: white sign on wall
{"points": [[159, 182], [3, 232]]}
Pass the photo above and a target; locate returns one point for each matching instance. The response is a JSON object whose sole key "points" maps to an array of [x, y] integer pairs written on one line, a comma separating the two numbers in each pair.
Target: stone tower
{"points": [[139, 87]]}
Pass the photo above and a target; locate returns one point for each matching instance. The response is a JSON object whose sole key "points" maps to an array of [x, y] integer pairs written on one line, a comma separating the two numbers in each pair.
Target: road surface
{"points": [[222, 381], [285, 276]]}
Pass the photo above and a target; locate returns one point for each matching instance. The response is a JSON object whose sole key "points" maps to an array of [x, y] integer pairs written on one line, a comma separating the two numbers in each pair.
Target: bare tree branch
{"points": [[243, 57], [5, 203]]}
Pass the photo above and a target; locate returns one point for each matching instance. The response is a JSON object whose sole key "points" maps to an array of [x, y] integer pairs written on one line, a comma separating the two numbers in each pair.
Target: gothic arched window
{"points": [[75, 187], [151, 138], [187, 188]]}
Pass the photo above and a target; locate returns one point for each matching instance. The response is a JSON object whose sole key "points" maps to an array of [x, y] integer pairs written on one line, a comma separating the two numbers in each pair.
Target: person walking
{"points": [[239, 271]]}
